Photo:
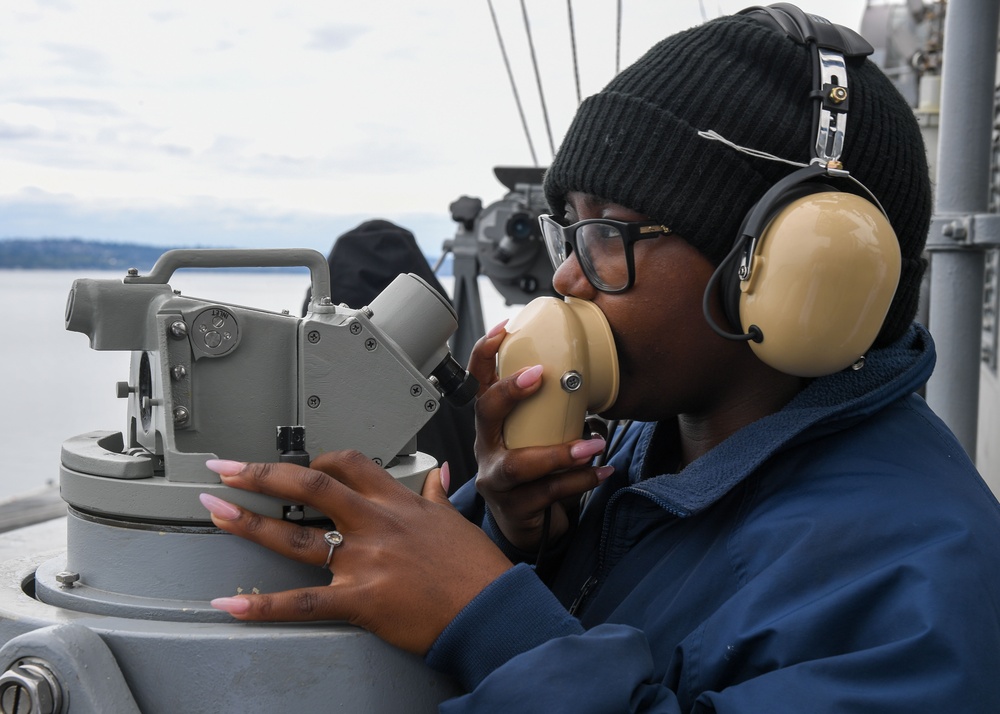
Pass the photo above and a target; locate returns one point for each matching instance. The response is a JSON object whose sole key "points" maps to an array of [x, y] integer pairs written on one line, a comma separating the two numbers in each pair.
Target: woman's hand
{"points": [[407, 565], [520, 484]]}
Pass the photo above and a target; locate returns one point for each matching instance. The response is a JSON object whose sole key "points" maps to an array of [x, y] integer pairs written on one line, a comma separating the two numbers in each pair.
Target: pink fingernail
{"points": [[497, 329], [445, 476], [224, 467], [529, 376], [217, 507], [232, 605], [588, 448], [603, 472]]}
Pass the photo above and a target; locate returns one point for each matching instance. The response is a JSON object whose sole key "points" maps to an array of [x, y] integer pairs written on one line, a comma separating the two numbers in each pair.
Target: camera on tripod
{"points": [[503, 242]]}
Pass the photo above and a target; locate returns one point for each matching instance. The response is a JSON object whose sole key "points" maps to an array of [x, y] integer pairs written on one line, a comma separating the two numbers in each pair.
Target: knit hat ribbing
{"points": [[636, 142]]}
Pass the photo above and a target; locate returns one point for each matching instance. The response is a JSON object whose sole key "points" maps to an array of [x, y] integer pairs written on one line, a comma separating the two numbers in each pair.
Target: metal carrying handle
{"points": [[172, 260]]}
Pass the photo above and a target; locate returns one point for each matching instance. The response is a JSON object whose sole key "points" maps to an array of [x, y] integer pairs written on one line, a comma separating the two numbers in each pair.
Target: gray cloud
{"points": [[164, 15], [207, 221], [67, 150], [73, 105], [335, 38], [175, 150], [85, 60], [10, 132], [87, 134], [60, 5], [372, 157]]}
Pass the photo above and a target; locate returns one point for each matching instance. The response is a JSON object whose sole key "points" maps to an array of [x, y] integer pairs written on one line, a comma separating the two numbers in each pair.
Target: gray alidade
{"points": [[124, 609]]}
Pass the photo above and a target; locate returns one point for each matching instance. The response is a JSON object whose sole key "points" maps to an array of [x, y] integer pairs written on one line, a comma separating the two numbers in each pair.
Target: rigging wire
{"points": [[513, 84], [572, 41], [618, 40], [538, 76]]}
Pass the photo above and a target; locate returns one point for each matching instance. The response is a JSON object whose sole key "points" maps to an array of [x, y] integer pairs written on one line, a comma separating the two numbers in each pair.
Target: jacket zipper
{"points": [[584, 592], [591, 583]]}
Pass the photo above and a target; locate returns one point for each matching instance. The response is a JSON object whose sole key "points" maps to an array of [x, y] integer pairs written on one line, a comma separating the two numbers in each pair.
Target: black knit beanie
{"points": [[636, 142]]}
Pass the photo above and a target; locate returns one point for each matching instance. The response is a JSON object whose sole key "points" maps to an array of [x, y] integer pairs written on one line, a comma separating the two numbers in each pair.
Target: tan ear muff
{"points": [[572, 341], [812, 275], [797, 185], [821, 279]]}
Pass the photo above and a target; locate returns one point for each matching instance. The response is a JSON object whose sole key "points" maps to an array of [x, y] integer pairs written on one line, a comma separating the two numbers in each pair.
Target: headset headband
{"points": [[830, 45]]}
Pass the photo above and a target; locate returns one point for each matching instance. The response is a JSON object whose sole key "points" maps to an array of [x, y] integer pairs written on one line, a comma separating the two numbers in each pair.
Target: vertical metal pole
{"points": [[956, 300]]}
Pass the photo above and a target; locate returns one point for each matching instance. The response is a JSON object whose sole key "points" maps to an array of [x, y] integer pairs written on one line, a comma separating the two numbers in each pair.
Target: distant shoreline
{"points": [[75, 254], [81, 254]]}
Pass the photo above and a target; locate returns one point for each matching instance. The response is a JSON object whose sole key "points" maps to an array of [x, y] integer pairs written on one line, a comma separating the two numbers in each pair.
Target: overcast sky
{"points": [[280, 122]]}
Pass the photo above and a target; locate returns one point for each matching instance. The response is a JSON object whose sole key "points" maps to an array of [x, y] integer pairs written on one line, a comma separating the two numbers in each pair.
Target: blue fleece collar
{"points": [[827, 404]]}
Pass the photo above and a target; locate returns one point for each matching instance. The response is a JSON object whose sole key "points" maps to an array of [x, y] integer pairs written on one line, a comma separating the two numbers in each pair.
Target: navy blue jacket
{"points": [[840, 555]]}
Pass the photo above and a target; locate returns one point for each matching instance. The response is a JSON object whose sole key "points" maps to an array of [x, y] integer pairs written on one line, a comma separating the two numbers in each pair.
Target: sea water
{"points": [[53, 386]]}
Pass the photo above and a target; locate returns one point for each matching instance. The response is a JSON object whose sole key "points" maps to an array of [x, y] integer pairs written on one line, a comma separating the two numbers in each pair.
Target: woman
{"points": [[756, 539]]}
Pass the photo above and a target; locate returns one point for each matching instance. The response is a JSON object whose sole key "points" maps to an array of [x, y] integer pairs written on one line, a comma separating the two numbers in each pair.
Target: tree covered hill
{"points": [[75, 253], [80, 254]]}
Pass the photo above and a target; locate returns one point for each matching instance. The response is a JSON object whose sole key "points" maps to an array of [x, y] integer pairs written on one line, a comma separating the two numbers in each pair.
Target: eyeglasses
{"points": [[603, 247]]}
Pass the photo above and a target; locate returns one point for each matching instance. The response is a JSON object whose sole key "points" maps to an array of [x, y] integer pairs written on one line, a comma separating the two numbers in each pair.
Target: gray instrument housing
{"points": [[212, 380]]}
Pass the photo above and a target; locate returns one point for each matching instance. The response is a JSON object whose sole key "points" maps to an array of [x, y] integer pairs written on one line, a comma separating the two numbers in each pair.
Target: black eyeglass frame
{"points": [[631, 232]]}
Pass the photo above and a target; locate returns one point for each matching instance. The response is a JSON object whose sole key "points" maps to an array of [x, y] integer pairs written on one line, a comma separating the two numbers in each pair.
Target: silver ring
{"points": [[333, 539]]}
